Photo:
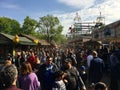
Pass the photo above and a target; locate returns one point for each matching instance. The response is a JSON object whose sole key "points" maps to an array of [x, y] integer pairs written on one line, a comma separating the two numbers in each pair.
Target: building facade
{"points": [[109, 34]]}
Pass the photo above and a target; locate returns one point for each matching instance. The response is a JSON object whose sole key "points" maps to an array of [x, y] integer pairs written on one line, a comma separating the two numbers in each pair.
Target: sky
{"points": [[65, 10]]}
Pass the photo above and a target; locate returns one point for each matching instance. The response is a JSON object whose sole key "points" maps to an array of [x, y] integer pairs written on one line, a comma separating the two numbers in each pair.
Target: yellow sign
{"points": [[16, 39], [36, 41]]}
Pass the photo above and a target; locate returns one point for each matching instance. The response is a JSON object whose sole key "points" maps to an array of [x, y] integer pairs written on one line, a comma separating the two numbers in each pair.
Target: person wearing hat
{"points": [[83, 73], [74, 81]]}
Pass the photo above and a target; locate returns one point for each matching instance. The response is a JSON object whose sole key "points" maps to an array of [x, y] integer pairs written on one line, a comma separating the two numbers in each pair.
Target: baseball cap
{"points": [[68, 60]]}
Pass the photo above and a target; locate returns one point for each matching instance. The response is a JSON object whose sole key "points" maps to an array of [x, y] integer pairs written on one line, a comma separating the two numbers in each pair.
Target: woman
{"points": [[28, 79]]}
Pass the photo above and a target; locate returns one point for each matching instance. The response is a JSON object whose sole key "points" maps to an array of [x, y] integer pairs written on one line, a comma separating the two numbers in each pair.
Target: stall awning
{"points": [[44, 43], [26, 41], [6, 39]]}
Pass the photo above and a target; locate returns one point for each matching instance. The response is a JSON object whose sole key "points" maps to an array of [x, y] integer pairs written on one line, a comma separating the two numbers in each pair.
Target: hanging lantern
{"points": [[16, 39], [36, 41]]}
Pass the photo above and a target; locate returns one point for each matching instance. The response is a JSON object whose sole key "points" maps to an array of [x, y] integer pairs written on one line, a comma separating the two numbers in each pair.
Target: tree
{"points": [[16, 29], [9, 26], [49, 27], [29, 25]]}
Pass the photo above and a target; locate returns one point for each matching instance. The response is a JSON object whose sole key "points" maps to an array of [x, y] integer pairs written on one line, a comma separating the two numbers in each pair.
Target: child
{"points": [[83, 73], [59, 84], [91, 87], [101, 86]]}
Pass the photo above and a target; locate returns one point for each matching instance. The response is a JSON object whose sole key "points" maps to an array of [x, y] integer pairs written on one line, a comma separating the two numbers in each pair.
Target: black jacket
{"points": [[74, 79], [45, 75]]}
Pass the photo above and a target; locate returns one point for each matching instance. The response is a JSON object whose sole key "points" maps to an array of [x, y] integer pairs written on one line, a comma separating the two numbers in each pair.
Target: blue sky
{"points": [[65, 10]]}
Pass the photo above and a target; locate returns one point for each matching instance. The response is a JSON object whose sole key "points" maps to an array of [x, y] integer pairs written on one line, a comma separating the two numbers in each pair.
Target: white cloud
{"points": [[110, 9], [66, 21], [78, 3], [9, 5]]}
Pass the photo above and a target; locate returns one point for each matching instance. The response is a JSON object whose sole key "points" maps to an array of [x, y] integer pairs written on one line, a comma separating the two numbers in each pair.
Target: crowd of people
{"points": [[60, 69]]}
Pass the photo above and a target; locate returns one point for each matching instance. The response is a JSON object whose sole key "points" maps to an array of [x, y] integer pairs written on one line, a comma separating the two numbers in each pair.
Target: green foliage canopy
{"points": [[29, 25], [9, 26], [49, 27]]}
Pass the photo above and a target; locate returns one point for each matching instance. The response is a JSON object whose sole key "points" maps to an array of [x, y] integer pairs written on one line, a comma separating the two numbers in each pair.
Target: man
{"points": [[8, 77], [89, 58], [45, 74], [32, 59], [115, 74], [96, 70], [72, 77]]}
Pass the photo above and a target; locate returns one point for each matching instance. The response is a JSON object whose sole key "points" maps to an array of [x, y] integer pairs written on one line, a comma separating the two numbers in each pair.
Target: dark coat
{"points": [[75, 81], [115, 77], [96, 70], [45, 76]]}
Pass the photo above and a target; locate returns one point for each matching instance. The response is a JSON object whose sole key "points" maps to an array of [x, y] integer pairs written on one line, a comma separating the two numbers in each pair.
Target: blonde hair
{"points": [[94, 53], [7, 62]]}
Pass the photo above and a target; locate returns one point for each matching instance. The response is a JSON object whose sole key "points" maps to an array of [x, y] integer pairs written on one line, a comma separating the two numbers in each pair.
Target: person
{"points": [[59, 83], [7, 62], [89, 58], [83, 73], [115, 74], [37, 65], [9, 57], [91, 87], [57, 59], [79, 58], [19, 60], [27, 79], [100, 86], [74, 81], [8, 77], [96, 70], [72, 56], [45, 73], [32, 59], [113, 59]]}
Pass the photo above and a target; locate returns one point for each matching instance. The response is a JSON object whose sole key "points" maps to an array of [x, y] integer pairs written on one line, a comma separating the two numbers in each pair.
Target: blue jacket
{"points": [[45, 75], [96, 70]]}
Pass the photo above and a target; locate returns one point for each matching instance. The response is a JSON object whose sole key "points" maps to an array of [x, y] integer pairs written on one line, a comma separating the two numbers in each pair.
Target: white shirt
{"points": [[61, 85]]}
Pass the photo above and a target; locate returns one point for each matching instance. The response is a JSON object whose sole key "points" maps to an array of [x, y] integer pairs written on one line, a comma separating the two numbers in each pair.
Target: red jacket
{"points": [[32, 60]]}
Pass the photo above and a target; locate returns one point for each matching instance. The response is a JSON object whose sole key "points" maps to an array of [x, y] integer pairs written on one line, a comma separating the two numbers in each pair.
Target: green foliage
{"points": [[9, 26], [29, 26], [49, 27], [39, 35], [60, 39], [15, 27]]}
